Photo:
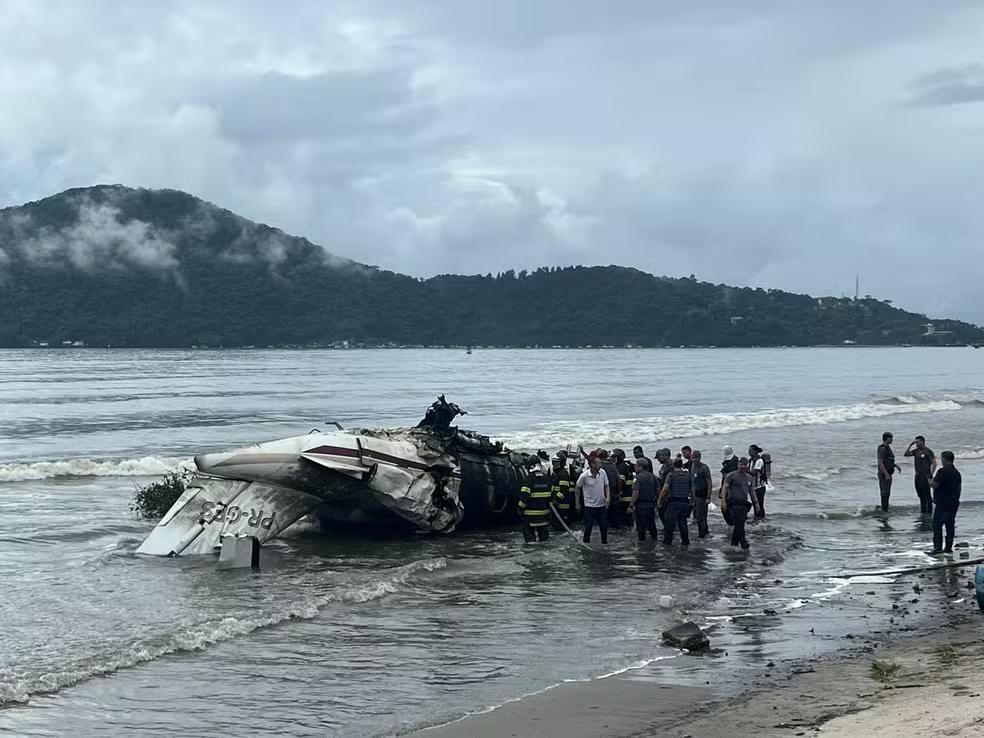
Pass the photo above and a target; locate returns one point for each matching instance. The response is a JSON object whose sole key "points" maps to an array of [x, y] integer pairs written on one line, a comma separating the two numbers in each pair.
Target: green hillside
{"points": [[110, 265]]}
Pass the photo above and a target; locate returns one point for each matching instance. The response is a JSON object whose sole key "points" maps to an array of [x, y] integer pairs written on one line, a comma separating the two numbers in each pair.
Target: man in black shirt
{"points": [[643, 505], [946, 489], [703, 485], [730, 464], [886, 468], [923, 467]]}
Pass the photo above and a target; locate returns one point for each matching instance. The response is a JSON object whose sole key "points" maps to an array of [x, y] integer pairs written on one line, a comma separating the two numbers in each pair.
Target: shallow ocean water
{"points": [[344, 634]]}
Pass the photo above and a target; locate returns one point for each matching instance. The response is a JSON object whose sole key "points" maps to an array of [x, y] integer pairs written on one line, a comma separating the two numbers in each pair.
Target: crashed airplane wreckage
{"points": [[431, 478]]}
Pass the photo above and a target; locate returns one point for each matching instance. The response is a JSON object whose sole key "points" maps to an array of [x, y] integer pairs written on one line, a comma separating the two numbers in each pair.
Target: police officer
{"points": [[664, 466], [563, 491], [703, 483], [626, 475], [534, 502], [678, 498], [644, 493]]}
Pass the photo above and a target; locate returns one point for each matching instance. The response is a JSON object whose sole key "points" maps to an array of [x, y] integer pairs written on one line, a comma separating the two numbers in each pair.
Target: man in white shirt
{"points": [[757, 469], [594, 487]]}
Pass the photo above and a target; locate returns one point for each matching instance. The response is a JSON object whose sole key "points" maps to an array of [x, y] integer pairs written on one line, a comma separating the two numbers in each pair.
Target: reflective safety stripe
{"points": [[562, 506], [626, 498], [537, 525], [535, 498]]}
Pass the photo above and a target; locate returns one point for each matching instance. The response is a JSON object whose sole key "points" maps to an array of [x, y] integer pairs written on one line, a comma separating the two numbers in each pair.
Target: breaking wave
{"points": [[19, 687], [964, 397], [664, 428], [144, 466]]}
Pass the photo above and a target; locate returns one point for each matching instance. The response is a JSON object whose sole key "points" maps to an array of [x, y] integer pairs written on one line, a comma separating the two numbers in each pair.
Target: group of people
{"points": [[606, 490], [939, 484]]}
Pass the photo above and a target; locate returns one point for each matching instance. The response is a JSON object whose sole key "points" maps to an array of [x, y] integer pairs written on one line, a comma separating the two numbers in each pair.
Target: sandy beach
{"points": [[924, 681]]}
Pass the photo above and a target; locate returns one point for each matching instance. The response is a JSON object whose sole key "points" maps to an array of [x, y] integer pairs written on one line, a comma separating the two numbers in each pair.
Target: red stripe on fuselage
{"points": [[374, 455]]}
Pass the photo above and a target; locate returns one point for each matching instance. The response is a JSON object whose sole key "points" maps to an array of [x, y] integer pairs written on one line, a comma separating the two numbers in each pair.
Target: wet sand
{"points": [[616, 706], [929, 683]]}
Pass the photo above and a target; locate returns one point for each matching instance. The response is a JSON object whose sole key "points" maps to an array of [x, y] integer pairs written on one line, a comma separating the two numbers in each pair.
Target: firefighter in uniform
{"points": [[534, 502], [622, 500], [563, 491]]}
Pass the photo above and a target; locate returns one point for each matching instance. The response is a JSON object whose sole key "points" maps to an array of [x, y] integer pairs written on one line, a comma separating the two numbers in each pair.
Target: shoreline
{"points": [[927, 681], [411, 347]]}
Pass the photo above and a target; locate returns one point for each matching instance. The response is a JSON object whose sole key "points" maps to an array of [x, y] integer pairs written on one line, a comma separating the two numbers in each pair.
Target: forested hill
{"points": [[116, 266]]}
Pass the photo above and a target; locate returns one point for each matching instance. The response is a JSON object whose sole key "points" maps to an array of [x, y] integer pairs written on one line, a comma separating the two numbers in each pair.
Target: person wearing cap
{"points": [[563, 491], [593, 487], [677, 497], [626, 475], [643, 503], [534, 502], [638, 453], [737, 497], [923, 470], [730, 464], [703, 484], [886, 469]]}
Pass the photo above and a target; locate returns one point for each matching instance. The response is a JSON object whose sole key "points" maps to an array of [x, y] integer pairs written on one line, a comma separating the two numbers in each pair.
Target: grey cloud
{"points": [[277, 106], [759, 142], [951, 86]]}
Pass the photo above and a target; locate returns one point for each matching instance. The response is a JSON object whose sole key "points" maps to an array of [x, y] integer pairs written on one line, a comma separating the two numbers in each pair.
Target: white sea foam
{"points": [[18, 686], [140, 467], [663, 428]]}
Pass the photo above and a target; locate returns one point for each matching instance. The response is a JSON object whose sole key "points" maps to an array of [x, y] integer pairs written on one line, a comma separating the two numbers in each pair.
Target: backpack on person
{"points": [[766, 474]]}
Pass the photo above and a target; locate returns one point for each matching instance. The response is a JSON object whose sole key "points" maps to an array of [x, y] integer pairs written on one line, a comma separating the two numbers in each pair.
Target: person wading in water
{"points": [[643, 505], [677, 497], [737, 498], [886, 468], [594, 489], [703, 484], [923, 469]]}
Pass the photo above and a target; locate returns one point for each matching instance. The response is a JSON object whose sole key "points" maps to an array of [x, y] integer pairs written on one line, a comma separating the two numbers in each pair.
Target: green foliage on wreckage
{"points": [[155, 499]]}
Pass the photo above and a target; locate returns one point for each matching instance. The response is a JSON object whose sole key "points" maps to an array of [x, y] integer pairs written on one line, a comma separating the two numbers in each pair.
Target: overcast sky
{"points": [[770, 143]]}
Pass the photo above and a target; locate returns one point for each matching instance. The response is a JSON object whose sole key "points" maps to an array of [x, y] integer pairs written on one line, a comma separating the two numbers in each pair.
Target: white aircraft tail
{"points": [[212, 508]]}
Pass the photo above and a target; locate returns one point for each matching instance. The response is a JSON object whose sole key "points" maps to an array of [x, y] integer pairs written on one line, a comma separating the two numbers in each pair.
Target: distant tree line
{"points": [[237, 283]]}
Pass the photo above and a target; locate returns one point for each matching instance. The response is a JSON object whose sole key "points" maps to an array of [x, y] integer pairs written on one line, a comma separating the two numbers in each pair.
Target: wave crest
{"points": [[664, 428], [19, 687], [145, 466]]}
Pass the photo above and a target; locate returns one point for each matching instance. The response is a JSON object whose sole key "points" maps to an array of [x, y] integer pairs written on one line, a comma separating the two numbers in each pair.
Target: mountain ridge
{"points": [[119, 266]]}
